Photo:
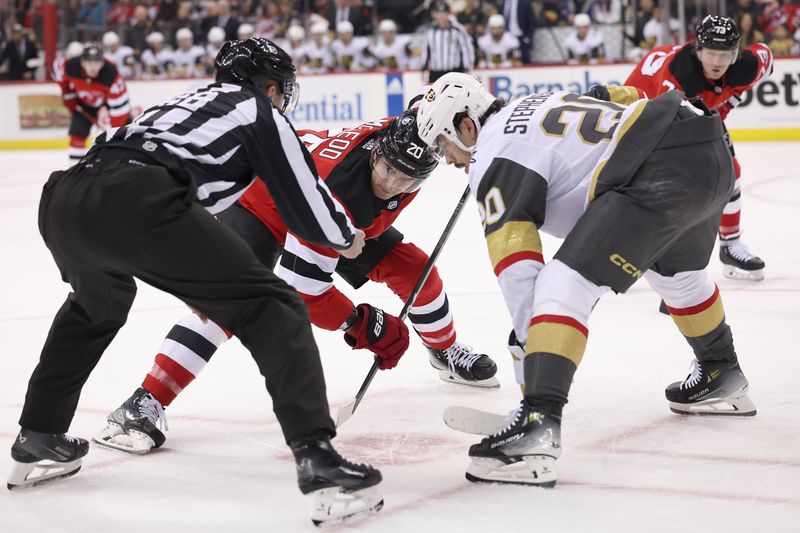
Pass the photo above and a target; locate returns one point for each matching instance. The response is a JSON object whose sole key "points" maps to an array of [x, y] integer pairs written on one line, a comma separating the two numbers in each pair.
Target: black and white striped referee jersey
{"points": [[225, 135], [446, 49]]}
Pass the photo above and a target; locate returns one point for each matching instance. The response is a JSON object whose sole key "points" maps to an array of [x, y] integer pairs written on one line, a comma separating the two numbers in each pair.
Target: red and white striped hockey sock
{"points": [[77, 148], [183, 355]]}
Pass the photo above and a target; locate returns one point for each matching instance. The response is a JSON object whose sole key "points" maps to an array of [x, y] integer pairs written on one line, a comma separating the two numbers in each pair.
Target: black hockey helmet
{"points": [[259, 61], [404, 150], [717, 33], [91, 52]]}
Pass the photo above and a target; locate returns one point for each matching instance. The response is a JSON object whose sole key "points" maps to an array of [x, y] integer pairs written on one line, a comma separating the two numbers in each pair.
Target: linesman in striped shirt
{"points": [[141, 204], [446, 45]]}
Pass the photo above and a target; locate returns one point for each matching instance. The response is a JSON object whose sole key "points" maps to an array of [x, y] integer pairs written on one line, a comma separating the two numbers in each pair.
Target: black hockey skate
{"points": [[739, 263], [459, 364], [711, 388], [134, 427], [43, 457], [340, 488], [523, 453]]}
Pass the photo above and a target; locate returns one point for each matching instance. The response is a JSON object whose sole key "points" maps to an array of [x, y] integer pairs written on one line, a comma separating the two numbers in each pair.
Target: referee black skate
{"points": [[141, 204]]}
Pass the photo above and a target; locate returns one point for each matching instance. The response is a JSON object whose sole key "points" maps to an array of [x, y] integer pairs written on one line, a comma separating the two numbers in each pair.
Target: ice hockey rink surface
{"points": [[628, 464]]}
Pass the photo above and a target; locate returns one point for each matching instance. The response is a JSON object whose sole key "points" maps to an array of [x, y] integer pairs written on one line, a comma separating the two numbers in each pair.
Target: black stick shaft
{"points": [[448, 229]]}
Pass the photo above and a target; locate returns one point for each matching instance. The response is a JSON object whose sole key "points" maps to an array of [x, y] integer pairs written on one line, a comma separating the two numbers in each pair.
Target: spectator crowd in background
{"points": [[179, 38]]}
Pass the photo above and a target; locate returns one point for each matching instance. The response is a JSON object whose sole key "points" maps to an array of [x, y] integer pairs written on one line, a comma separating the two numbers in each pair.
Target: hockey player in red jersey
{"points": [[89, 82], [714, 69], [374, 170]]}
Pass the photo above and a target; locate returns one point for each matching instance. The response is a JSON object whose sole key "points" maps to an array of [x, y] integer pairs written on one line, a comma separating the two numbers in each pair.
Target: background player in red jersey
{"points": [[374, 170], [714, 69], [89, 82]]}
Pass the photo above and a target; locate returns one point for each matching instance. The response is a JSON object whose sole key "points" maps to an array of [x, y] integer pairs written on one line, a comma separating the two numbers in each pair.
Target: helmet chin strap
{"points": [[471, 149]]}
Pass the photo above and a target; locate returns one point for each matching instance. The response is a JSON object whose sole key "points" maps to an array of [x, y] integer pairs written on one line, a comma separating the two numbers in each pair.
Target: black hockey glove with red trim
{"points": [[383, 334]]}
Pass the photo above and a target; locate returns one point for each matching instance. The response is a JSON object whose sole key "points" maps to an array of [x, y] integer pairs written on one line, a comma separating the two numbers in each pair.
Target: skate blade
{"points": [[490, 383], [741, 406], [732, 272], [531, 470], [113, 437], [27, 475], [335, 506]]}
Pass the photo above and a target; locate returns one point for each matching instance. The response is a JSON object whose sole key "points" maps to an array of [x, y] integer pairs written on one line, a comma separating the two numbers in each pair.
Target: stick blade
{"points": [[345, 412]]}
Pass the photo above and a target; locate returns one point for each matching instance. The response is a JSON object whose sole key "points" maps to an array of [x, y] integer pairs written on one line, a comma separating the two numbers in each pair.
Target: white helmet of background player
{"points": [[452, 94], [245, 31], [387, 25], [155, 39], [496, 26], [319, 27], [344, 27], [183, 36], [295, 33], [110, 39], [216, 36], [74, 49]]}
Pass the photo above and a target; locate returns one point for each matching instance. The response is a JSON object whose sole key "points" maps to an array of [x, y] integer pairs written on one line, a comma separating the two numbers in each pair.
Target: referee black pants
{"points": [[107, 221]]}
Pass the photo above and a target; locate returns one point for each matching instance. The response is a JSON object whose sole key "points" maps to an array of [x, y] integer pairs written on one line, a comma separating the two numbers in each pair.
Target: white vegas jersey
{"points": [[351, 56], [156, 64], [318, 58], [189, 63], [534, 169], [591, 47], [498, 54], [394, 56], [125, 61]]}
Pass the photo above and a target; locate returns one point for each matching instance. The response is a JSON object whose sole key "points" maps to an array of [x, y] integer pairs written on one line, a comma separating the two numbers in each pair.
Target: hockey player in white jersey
{"points": [[498, 48], [636, 189], [318, 51], [157, 60], [350, 53], [585, 45], [392, 51], [189, 58], [122, 56]]}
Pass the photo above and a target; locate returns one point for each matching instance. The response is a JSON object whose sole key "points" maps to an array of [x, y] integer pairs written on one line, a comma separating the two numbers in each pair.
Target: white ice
{"points": [[628, 464]]}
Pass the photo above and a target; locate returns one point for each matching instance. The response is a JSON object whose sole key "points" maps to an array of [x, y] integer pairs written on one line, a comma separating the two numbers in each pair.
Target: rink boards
{"points": [[33, 116]]}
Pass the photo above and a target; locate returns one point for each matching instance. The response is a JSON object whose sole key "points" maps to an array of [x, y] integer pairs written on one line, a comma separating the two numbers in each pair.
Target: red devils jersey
{"points": [[667, 67], [107, 89], [342, 158]]}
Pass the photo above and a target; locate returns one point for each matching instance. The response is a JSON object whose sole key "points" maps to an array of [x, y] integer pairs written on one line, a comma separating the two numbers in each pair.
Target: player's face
{"points": [[715, 62], [185, 44], [497, 32], [387, 182], [388, 36], [92, 68], [451, 152]]}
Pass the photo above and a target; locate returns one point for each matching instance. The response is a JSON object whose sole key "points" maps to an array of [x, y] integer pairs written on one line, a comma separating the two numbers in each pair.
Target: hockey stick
{"points": [[346, 411]]}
